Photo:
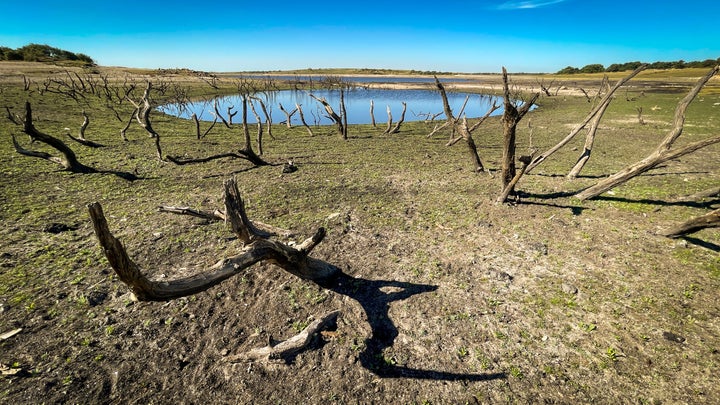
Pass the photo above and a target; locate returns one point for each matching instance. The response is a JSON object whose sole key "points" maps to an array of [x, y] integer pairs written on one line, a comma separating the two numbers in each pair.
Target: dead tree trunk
{"points": [[197, 126], [258, 248], [81, 135], [511, 117], [259, 128], [332, 115], [343, 115], [288, 115], [143, 118], [123, 131], [247, 150], [465, 132], [268, 117], [68, 160], [389, 121], [372, 114], [709, 220], [663, 152], [302, 119], [602, 105], [396, 128]]}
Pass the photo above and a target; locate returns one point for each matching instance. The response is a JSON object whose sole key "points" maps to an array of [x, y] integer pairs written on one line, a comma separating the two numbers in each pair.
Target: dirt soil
{"points": [[444, 297]]}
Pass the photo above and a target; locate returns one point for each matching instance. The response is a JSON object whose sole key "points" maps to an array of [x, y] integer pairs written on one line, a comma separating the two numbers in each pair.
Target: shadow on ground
{"points": [[376, 304]]}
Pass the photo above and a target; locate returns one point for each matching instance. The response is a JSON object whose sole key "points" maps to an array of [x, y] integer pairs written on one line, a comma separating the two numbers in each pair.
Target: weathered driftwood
{"points": [[589, 142], [258, 248], [286, 349], [709, 220], [218, 215], [663, 152], [709, 193], [68, 159], [602, 106]]}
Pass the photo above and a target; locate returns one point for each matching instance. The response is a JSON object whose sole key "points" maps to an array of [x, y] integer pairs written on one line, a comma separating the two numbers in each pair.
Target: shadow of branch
{"points": [[376, 304]]}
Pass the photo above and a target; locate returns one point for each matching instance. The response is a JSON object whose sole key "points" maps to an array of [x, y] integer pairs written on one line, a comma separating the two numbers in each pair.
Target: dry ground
{"points": [[445, 296]]}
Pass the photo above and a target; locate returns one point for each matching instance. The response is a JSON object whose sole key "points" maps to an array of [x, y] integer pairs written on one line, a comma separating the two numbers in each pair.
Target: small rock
{"points": [[673, 337], [569, 289], [96, 298]]}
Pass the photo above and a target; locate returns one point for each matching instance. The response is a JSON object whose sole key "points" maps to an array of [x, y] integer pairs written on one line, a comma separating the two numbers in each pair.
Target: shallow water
{"points": [[420, 103]]}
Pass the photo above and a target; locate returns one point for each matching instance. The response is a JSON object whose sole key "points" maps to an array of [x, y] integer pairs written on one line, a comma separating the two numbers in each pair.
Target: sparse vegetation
{"points": [[449, 297]]}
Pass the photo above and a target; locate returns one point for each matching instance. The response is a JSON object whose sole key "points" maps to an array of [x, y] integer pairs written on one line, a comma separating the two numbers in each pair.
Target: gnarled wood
{"points": [[602, 106], [663, 152], [332, 115], [709, 220], [511, 117], [292, 259], [68, 160], [290, 347]]}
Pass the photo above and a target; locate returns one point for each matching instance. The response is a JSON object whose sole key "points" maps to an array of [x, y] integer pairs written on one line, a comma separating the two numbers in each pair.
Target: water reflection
{"points": [[420, 105]]}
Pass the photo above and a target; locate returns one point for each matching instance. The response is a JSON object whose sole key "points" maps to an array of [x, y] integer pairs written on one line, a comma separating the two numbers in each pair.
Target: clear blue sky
{"points": [[443, 35]]}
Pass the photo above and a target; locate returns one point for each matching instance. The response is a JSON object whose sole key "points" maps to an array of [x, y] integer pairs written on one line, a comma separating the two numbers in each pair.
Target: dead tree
{"points": [[663, 152], [231, 114], [197, 126], [247, 151], [343, 114], [143, 108], [81, 135], [302, 119], [124, 129], [67, 160], [288, 115], [268, 116], [332, 115], [511, 117], [461, 127], [389, 121], [258, 248], [709, 220], [601, 107], [372, 114], [259, 127], [396, 128], [641, 121]]}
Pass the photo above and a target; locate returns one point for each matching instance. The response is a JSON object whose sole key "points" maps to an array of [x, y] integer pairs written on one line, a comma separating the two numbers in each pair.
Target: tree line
{"points": [[621, 67], [42, 53]]}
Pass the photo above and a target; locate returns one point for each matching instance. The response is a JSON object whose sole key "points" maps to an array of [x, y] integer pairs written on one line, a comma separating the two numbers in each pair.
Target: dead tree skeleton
{"points": [[81, 135], [461, 127], [68, 160], [258, 248], [597, 113], [664, 150], [142, 114], [332, 115], [288, 115], [511, 117]]}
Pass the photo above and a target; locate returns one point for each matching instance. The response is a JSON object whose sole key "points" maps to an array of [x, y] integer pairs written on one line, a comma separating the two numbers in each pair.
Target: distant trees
{"points": [[621, 67], [42, 53]]}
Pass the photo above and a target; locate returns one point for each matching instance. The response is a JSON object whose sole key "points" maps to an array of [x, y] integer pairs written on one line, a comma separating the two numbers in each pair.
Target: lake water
{"points": [[420, 103]]}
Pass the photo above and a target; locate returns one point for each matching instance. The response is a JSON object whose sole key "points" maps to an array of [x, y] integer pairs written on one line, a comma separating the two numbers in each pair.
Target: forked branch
{"points": [[258, 248]]}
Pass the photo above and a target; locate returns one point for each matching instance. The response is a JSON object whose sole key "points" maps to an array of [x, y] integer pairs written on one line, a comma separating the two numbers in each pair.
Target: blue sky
{"points": [[445, 35]]}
